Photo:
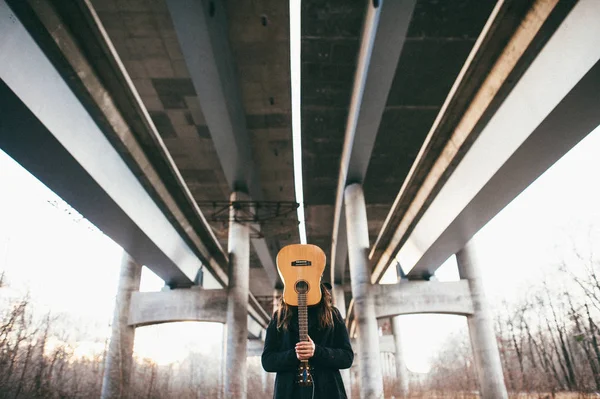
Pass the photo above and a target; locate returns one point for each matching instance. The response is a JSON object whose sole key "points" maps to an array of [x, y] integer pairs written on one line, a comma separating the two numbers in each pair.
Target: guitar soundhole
{"points": [[301, 287]]}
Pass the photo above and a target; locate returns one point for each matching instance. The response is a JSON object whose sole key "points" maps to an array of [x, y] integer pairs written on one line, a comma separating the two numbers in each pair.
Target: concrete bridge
{"points": [[184, 130]]}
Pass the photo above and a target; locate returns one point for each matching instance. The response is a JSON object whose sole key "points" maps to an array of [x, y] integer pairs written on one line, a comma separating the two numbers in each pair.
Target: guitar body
{"points": [[299, 263]]}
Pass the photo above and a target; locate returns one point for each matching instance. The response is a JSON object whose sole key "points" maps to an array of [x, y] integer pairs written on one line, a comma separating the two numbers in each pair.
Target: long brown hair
{"points": [[284, 313]]}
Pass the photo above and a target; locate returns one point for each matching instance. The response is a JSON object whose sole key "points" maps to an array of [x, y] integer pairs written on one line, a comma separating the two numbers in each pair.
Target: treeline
{"points": [[549, 340], [39, 358]]}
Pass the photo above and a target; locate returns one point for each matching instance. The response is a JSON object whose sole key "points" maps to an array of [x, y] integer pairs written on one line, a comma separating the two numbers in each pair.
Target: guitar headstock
{"points": [[304, 377]]}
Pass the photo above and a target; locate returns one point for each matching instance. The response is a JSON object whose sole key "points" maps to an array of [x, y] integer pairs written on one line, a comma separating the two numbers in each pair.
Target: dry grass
{"points": [[540, 395]]}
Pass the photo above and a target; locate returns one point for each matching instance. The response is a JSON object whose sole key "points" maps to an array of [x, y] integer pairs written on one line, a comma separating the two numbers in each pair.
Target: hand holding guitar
{"points": [[305, 350]]}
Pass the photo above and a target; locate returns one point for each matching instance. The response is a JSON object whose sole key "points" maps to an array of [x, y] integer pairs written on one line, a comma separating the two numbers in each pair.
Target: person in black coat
{"points": [[328, 350]]}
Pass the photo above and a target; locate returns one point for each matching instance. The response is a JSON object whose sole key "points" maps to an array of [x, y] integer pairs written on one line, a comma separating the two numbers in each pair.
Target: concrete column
{"points": [[339, 301], [270, 377], [402, 375], [264, 379], [354, 377], [481, 329], [119, 357], [223, 355], [237, 305], [371, 380], [270, 383]]}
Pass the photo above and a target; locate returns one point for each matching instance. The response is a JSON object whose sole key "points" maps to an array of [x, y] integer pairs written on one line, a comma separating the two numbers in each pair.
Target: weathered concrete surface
{"points": [[339, 299], [402, 374], [206, 48], [189, 304], [255, 330], [237, 304], [91, 175], [412, 297], [383, 35], [330, 46], [119, 358], [484, 182], [371, 378], [192, 304], [255, 347], [481, 329], [386, 344], [489, 44]]}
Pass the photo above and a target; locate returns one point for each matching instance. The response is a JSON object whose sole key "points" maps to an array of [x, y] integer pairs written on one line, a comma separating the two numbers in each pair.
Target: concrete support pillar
{"points": [[354, 384], [119, 358], [270, 377], [237, 305], [339, 301], [222, 363], [481, 329], [371, 379], [270, 385], [402, 375], [264, 379]]}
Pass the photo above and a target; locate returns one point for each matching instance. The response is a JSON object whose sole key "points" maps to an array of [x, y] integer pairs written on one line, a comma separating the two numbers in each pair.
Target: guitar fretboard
{"points": [[302, 317]]}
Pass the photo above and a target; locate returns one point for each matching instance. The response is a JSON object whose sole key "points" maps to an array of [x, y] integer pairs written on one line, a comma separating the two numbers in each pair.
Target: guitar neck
{"points": [[302, 317]]}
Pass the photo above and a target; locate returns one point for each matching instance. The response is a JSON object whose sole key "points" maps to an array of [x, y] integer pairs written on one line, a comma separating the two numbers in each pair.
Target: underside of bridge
{"points": [[400, 104], [245, 141], [145, 39]]}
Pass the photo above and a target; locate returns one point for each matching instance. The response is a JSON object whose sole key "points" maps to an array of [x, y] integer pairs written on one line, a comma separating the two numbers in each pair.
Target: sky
{"points": [[70, 268]]}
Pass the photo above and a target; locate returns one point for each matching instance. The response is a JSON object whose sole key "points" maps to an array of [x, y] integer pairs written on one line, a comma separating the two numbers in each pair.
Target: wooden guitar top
{"points": [[299, 263]]}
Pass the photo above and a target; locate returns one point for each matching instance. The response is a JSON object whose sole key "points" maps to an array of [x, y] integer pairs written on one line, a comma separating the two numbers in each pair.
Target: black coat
{"points": [[332, 353]]}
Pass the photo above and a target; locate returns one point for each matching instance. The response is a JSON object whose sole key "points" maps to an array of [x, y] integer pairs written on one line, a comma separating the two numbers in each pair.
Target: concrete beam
{"points": [[202, 30], [413, 297], [382, 40], [255, 330], [339, 250], [96, 172], [63, 146], [513, 36], [257, 312], [255, 347], [201, 27], [386, 343], [263, 249], [539, 122], [193, 304]]}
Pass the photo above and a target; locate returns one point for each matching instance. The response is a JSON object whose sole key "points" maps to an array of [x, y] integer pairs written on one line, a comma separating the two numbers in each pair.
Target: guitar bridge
{"points": [[301, 262]]}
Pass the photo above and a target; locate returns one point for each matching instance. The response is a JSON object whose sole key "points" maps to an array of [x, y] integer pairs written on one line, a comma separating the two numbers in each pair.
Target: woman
{"points": [[328, 350]]}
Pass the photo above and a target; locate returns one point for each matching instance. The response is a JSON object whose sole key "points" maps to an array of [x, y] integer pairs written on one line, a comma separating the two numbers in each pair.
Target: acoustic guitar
{"points": [[301, 267]]}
